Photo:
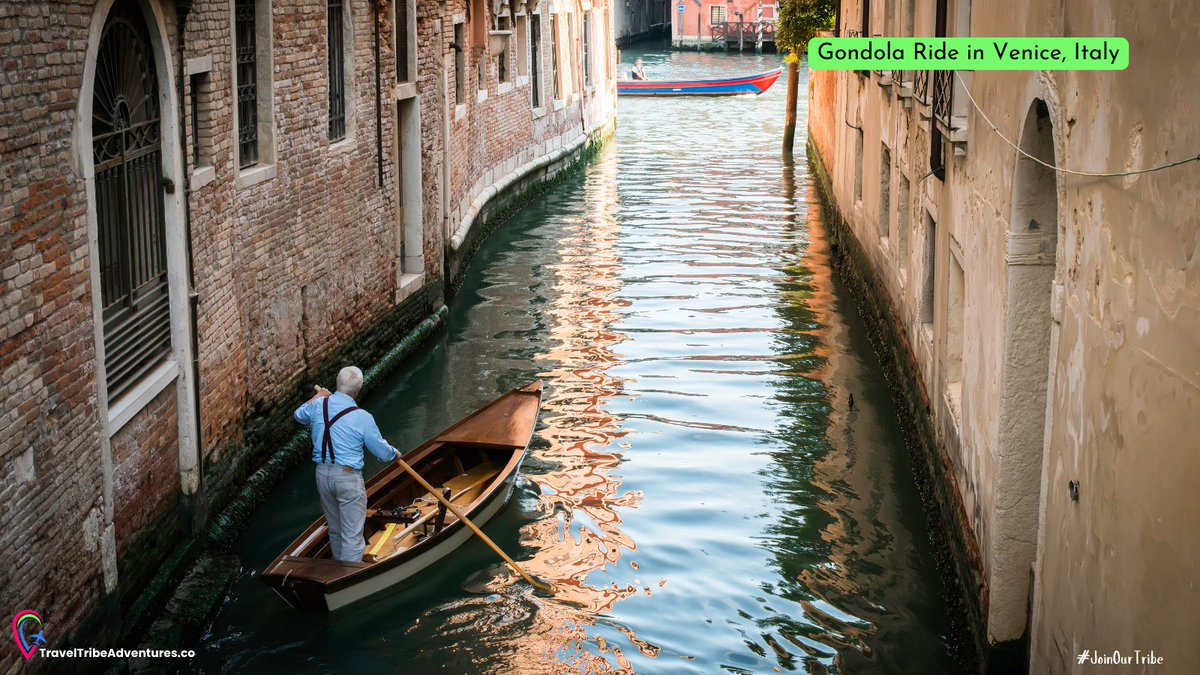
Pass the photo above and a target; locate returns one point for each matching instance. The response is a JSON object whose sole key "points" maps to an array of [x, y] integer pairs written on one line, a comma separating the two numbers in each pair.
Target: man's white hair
{"points": [[349, 380]]}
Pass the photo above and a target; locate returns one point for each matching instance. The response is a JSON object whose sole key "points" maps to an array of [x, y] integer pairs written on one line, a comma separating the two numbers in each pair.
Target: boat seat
{"points": [[477, 474], [464, 489]]}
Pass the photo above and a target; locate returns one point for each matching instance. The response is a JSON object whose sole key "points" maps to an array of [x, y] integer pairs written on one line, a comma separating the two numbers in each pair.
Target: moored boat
{"points": [[751, 84], [475, 462]]}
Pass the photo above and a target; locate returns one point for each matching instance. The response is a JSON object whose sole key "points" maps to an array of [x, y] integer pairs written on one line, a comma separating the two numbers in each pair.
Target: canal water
{"points": [[700, 489]]}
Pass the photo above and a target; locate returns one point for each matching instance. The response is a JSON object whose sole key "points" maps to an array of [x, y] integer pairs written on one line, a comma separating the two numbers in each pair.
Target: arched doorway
{"points": [[1030, 258], [127, 137]]}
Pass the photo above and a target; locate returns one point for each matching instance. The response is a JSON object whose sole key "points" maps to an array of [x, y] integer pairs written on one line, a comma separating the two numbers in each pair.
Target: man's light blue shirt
{"points": [[349, 435]]}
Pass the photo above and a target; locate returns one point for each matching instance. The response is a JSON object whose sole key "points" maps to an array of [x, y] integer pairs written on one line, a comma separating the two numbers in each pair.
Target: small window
{"points": [[504, 58], [930, 262], [201, 101], [336, 29], [587, 49], [246, 37], [521, 37], [716, 14], [406, 40], [858, 165], [554, 70], [535, 59], [460, 64]]}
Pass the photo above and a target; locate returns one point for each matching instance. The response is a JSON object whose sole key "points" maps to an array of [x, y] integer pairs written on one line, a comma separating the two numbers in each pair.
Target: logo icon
{"points": [[27, 632]]}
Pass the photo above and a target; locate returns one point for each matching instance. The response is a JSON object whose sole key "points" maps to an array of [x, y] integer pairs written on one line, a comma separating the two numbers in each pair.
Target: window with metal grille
{"points": [[131, 229], [337, 71], [404, 41], [504, 58], [247, 82], [535, 57], [554, 56], [716, 14], [587, 49]]}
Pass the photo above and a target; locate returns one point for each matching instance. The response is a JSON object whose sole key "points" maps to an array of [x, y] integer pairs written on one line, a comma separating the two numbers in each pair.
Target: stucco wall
{"points": [[1078, 334]]}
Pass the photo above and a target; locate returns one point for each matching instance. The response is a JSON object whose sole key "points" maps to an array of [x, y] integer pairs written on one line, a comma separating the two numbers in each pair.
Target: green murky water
{"points": [[698, 487]]}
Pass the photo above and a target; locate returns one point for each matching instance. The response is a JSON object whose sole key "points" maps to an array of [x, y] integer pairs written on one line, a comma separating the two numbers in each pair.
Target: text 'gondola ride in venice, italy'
{"points": [[473, 465], [728, 86]]}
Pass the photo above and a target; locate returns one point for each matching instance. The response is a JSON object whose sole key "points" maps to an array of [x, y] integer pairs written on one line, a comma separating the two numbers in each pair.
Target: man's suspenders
{"points": [[327, 440]]}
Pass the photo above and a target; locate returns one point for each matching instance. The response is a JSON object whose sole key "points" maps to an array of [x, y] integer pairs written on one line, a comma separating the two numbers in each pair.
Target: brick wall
{"points": [[294, 274], [145, 489], [51, 486]]}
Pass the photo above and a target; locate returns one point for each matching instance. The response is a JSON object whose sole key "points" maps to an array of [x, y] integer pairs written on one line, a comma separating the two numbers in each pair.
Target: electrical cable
{"points": [[1060, 169]]}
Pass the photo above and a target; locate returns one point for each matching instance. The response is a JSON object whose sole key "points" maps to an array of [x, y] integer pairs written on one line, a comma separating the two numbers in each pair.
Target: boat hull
{"points": [[486, 448], [754, 84]]}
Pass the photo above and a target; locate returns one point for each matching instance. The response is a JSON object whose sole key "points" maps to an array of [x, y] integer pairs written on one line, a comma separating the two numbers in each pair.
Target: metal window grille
{"points": [[943, 95], [587, 48], [247, 82], [921, 85], [535, 55], [402, 41], [554, 57], [127, 152], [337, 72]]}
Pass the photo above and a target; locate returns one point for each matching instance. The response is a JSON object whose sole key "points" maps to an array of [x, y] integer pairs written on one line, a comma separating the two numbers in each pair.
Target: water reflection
{"points": [[699, 490]]}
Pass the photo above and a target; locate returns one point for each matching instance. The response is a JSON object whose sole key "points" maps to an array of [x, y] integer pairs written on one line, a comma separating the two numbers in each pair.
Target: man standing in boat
{"points": [[340, 431], [638, 72]]}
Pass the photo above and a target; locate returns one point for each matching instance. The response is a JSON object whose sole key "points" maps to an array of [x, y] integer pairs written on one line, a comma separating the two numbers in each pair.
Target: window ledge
{"points": [[539, 112], [559, 104], [481, 96], [203, 175], [408, 284], [404, 90], [460, 111], [255, 175], [133, 401], [344, 145], [504, 88], [522, 80]]}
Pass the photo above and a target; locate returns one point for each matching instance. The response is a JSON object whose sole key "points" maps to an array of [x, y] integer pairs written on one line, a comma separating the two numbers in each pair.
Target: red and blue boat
{"points": [[730, 86]]}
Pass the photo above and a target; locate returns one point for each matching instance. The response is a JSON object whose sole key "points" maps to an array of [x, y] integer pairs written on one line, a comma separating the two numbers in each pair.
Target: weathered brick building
{"points": [[1029, 257], [204, 203]]}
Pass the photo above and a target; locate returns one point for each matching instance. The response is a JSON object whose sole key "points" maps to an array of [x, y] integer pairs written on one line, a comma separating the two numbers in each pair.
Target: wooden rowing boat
{"points": [[476, 461], [728, 86]]}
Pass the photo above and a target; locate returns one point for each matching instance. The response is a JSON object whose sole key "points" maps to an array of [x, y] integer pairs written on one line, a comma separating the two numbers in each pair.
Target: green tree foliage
{"points": [[799, 21]]}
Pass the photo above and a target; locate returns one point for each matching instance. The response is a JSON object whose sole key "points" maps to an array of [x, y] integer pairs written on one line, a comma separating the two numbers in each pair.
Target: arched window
{"points": [[127, 153]]}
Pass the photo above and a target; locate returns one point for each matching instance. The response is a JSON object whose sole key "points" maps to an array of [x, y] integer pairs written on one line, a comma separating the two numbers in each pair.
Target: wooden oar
{"points": [[540, 585]]}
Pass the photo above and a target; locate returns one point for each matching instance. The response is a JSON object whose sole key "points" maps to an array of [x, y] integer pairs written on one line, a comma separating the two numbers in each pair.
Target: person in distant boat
{"points": [[340, 431], [638, 72]]}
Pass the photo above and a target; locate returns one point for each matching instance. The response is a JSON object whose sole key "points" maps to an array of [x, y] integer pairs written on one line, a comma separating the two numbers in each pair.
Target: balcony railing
{"points": [[734, 32], [921, 85], [943, 95]]}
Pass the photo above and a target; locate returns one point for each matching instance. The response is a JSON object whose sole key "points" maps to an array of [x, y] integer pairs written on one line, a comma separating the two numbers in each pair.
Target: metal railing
{"points": [[943, 95], [921, 85], [734, 32]]}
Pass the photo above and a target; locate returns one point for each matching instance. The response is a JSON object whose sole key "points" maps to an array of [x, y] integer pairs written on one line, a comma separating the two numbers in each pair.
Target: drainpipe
{"points": [[375, 5], [192, 511], [444, 82]]}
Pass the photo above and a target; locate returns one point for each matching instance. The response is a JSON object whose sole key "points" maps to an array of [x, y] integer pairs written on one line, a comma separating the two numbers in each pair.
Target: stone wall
{"points": [[1045, 317]]}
